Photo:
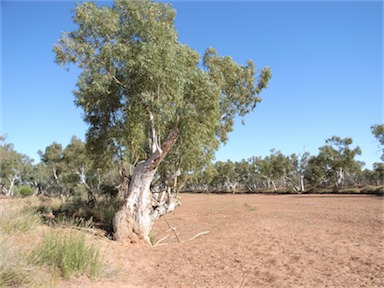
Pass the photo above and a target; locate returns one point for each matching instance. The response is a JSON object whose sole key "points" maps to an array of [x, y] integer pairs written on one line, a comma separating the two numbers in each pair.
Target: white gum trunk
{"points": [[135, 219], [302, 187]]}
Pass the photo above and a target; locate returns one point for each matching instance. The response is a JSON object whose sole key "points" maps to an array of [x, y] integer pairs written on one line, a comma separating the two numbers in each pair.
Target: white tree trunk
{"points": [[302, 187], [339, 177], [273, 185], [134, 221], [9, 191]]}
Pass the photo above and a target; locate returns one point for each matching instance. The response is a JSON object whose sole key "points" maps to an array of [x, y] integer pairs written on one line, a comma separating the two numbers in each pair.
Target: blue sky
{"points": [[326, 60]]}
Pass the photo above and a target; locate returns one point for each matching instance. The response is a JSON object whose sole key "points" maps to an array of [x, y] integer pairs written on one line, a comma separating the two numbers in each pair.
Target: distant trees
{"points": [[70, 171], [334, 166], [15, 168]]}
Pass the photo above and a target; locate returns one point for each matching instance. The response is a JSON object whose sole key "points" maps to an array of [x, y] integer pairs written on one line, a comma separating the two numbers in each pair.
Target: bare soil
{"points": [[257, 241]]}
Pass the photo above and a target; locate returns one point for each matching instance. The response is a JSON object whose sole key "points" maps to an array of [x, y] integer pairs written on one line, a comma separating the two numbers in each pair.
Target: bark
{"points": [[133, 222], [302, 187], [90, 190], [123, 187], [9, 192], [273, 185], [339, 176]]}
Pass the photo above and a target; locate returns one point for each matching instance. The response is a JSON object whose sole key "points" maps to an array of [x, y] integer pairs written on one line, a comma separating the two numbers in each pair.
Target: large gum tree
{"points": [[145, 96]]}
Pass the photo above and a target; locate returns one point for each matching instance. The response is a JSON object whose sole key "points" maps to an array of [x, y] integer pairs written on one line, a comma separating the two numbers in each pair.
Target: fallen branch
{"points": [[177, 236], [173, 229], [162, 239], [197, 235]]}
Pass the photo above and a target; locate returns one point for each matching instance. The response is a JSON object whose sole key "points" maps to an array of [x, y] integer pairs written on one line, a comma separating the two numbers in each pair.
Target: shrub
{"points": [[69, 254], [102, 211], [25, 191]]}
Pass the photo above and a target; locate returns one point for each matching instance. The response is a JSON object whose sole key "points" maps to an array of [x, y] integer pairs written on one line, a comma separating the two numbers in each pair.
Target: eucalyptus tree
{"points": [[337, 158], [378, 173], [52, 158], [378, 132], [202, 180], [144, 94], [272, 168], [296, 172], [263, 168], [40, 178], [77, 168], [228, 176], [14, 167]]}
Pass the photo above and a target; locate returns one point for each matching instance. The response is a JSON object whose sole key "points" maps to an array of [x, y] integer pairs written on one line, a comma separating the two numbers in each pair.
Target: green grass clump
{"points": [[70, 255]]}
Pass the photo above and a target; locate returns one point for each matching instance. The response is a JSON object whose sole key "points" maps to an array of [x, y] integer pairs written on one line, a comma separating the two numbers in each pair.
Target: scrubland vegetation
{"points": [[37, 250]]}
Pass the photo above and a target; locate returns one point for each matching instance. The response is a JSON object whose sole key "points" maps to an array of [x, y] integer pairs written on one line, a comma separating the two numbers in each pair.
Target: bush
{"points": [[70, 255], [102, 211], [25, 191]]}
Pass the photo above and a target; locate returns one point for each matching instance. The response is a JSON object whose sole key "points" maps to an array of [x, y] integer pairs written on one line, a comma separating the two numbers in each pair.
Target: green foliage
{"points": [[378, 132], [101, 212], [15, 168], [25, 191], [336, 158], [69, 254], [138, 80]]}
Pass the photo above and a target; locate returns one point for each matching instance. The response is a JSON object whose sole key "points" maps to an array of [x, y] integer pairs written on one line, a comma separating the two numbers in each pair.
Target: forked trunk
{"points": [[133, 222]]}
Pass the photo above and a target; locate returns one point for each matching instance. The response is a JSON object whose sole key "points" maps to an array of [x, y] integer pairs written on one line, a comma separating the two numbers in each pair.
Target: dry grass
{"points": [[36, 255]]}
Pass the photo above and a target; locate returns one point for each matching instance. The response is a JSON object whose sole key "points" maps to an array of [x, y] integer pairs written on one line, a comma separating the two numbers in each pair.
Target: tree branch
{"points": [[161, 240], [173, 229], [197, 235], [154, 145]]}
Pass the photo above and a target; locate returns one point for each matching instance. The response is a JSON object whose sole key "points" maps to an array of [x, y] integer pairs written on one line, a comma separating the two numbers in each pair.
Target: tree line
{"points": [[69, 171], [335, 166]]}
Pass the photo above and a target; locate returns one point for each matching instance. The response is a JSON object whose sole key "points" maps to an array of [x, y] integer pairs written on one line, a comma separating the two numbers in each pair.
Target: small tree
{"points": [[297, 167], [52, 158], [144, 94]]}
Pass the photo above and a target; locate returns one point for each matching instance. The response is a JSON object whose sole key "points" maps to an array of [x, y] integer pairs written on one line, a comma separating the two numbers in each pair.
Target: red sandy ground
{"points": [[257, 241]]}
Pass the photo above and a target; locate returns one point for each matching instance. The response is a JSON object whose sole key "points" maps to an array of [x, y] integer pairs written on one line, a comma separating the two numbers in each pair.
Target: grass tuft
{"points": [[15, 270], [70, 255]]}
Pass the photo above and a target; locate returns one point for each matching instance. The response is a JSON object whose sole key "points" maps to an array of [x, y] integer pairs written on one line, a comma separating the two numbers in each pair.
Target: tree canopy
{"points": [[138, 82], [378, 132]]}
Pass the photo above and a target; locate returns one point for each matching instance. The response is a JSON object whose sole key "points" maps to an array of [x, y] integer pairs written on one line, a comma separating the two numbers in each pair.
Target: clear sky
{"points": [[326, 59]]}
